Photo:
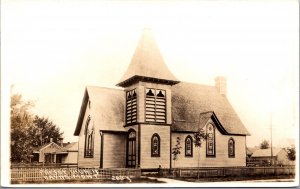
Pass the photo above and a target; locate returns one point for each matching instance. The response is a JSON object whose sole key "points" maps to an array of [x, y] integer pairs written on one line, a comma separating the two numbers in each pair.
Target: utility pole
{"points": [[271, 139]]}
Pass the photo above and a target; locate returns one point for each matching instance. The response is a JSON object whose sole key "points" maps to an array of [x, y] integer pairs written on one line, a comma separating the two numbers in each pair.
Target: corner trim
{"points": [[170, 148], [101, 149], [139, 146]]}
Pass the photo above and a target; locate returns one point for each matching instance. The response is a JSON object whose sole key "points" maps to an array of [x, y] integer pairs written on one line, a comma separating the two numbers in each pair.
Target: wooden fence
{"points": [[226, 171], [40, 175], [43, 165]]}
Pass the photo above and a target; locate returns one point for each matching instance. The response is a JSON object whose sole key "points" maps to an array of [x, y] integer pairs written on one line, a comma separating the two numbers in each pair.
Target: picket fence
{"points": [[205, 172], [40, 175]]}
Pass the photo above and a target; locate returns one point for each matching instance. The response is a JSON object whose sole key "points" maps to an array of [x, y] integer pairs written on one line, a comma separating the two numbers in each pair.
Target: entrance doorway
{"points": [[131, 148]]}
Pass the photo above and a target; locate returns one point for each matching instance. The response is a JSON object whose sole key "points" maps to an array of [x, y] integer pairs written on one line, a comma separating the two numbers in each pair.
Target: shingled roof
{"points": [[108, 108], [73, 147], [37, 149], [266, 152], [194, 104], [147, 63]]}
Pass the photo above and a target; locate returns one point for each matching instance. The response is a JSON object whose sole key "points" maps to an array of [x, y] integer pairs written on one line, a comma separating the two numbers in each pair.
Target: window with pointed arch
{"points": [[155, 145], [189, 146], [210, 141], [231, 148], [89, 139]]}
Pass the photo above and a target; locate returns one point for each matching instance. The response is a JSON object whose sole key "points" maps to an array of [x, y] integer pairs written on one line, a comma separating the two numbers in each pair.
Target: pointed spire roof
{"points": [[147, 63]]}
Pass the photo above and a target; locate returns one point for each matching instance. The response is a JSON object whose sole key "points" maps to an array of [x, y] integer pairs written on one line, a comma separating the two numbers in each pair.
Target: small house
{"points": [[44, 154], [265, 157], [67, 154], [56, 153]]}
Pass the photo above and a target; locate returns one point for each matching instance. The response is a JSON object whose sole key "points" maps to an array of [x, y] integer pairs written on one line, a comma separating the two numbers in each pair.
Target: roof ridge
{"points": [[99, 87], [199, 84], [206, 112]]}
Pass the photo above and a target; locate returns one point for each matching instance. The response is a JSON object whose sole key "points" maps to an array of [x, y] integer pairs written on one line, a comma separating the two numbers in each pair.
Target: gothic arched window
{"points": [[210, 141], [131, 148], [155, 145], [231, 148], [89, 138], [188, 146]]}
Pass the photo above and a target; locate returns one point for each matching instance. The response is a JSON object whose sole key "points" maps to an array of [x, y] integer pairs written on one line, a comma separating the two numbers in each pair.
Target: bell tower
{"points": [[147, 84]]}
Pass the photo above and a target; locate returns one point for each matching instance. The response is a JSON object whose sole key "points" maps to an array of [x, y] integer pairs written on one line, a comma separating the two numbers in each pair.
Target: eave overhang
{"points": [[138, 78], [81, 114]]}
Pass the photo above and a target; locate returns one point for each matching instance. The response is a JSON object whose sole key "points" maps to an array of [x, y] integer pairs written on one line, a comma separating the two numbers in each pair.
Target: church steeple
{"points": [[147, 64]]}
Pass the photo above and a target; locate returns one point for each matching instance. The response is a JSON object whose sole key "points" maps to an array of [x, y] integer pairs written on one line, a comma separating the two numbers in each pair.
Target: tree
{"points": [[264, 144], [291, 153], [27, 130], [199, 137], [21, 120], [43, 129], [176, 150]]}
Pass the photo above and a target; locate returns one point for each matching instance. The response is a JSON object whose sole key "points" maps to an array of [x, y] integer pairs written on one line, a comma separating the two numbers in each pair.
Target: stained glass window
{"points": [[155, 145], [231, 147], [210, 142], [89, 138], [189, 146]]}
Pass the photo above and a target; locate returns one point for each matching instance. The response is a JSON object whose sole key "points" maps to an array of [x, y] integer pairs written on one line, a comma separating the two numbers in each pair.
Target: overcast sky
{"points": [[52, 49]]}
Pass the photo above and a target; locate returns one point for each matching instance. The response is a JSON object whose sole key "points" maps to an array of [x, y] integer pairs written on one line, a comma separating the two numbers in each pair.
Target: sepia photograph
{"points": [[149, 93]]}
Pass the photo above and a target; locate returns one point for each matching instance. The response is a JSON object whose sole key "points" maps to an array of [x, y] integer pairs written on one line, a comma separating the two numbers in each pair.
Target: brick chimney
{"points": [[61, 141], [220, 84]]}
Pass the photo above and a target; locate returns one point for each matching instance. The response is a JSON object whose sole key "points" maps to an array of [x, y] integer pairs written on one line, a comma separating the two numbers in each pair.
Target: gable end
{"points": [[81, 114]]}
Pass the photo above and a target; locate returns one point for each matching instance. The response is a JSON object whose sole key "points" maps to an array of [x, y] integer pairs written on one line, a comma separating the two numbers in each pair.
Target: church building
{"points": [[137, 125]]}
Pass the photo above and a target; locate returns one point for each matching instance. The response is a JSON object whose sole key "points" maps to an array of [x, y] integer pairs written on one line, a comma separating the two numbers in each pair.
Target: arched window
{"points": [[89, 138], [231, 148], [189, 146], [210, 142], [155, 145], [131, 148]]}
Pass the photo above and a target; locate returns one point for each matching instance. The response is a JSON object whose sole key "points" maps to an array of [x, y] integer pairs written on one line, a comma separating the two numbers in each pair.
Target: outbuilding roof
{"points": [[147, 62], [37, 149], [266, 152], [73, 146]]}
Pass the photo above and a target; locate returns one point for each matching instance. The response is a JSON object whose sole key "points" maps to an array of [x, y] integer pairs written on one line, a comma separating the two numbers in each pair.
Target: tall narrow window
{"points": [[131, 107], [231, 148], [155, 145], [188, 146], [89, 138], [210, 142], [131, 148], [155, 105]]}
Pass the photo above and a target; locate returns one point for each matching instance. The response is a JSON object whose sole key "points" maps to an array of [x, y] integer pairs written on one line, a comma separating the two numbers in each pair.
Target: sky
{"points": [[52, 49]]}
